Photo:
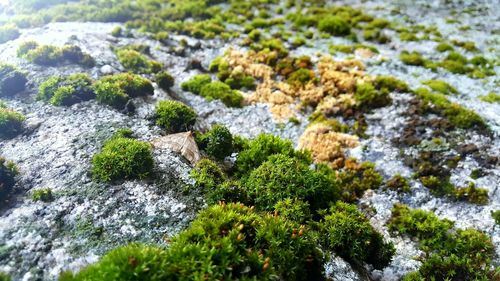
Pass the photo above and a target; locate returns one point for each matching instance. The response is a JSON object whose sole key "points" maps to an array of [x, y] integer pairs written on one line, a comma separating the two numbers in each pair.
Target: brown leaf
{"points": [[182, 143]]}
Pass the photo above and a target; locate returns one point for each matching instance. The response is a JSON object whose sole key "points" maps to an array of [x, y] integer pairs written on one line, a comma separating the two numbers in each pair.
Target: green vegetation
{"points": [[196, 83], [368, 97], [440, 86], [413, 58], [224, 240], [455, 113], [491, 98], [354, 182], [116, 90], [8, 32], [443, 47], [5, 277], [349, 233], [398, 183], [334, 25], [220, 91], [300, 77], [217, 143], [122, 158], [11, 122], [8, 172], [49, 55], [164, 80], [174, 116], [461, 254], [496, 216], [66, 91], [391, 84], [235, 79], [44, 195], [136, 62], [12, 81]]}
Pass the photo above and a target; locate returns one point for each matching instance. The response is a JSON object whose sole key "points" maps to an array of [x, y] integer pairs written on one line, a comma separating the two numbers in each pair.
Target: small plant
{"points": [[220, 91], [8, 172], [217, 143], [117, 31], [208, 175], [491, 98], [11, 122], [334, 25], [66, 90], [354, 182], [496, 216], [398, 183], [116, 90], [443, 47], [349, 233], [390, 84], [49, 55], [136, 62], [413, 58], [174, 116], [472, 194], [368, 97], [300, 77], [12, 81], [165, 80], [440, 86], [196, 83], [44, 195], [294, 210], [5, 277], [8, 32], [121, 159]]}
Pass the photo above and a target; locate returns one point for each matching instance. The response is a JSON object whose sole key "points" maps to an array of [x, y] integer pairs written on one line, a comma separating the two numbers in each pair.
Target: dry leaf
{"points": [[182, 143]]}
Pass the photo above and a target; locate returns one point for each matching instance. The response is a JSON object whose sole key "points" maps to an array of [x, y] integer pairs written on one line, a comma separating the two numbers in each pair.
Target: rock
{"points": [[107, 70]]}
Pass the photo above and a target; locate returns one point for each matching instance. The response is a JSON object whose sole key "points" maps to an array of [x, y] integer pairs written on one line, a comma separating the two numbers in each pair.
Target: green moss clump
{"points": [[165, 80], [462, 254], [496, 216], [472, 194], [8, 32], [440, 86], [293, 209], [282, 177], [122, 159], [117, 31], [224, 241], [334, 25], [174, 116], [413, 58], [44, 195], [8, 172], [398, 183], [134, 61], [49, 55], [217, 143], [301, 77], [196, 83], [11, 122], [408, 36], [12, 81], [456, 114], [258, 150], [491, 98], [391, 84], [355, 182], [116, 90], [443, 47], [368, 97], [5, 277], [349, 233], [208, 175], [454, 66], [220, 91], [66, 90]]}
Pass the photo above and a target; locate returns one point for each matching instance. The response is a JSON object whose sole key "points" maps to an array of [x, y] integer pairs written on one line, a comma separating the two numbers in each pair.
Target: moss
{"points": [[11, 122], [217, 143], [413, 58], [224, 240], [282, 177], [5, 277], [391, 84], [208, 176], [334, 25], [116, 90], [443, 47], [348, 49], [165, 80], [134, 61], [375, 35], [8, 172], [49, 55], [354, 182], [472, 194], [496, 216], [117, 31], [491, 98], [462, 254], [8, 32], [398, 183], [196, 83], [455, 56], [66, 90], [174, 116], [301, 77], [220, 91], [12, 81], [368, 97], [122, 159], [294, 210], [467, 45], [408, 36], [440, 86], [44, 195], [349, 233], [456, 114]]}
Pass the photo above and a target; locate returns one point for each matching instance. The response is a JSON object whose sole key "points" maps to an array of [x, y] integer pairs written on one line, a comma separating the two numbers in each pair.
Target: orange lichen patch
{"points": [[311, 94], [283, 112], [326, 145]]}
